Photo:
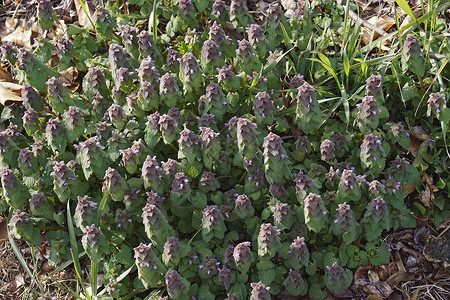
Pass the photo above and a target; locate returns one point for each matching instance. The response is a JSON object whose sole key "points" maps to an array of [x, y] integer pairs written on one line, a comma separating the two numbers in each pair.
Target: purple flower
{"points": [[147, 70], [167, 85], [327, 150], [243, 206], [373, 86], [218, 9], [260, 291], [281, 211], [242, 255], [143, 255], [263, 105], [225, 276], [302, 183], [92, 235], [210, 52], [268, 240], [348, 180], [171, 167], [146, 43], [175, 284], [435, 102], [255, 34], [31, 98], [305, 96], [180, 184], [19, 219], [152, 215]]}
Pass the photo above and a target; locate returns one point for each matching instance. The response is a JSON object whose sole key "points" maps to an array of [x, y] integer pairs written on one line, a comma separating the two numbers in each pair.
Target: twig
{"points": [[377, 29]]}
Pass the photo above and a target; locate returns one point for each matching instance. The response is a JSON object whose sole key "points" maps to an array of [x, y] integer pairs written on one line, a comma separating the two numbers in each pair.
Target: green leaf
{"points": [[406, 8], [267, 276]]}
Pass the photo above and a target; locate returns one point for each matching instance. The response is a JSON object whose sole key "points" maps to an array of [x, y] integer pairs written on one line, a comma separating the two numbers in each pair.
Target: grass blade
{"points": [[22, 260], [406, 8], [119, 278], [94, 278], [153, 20], [63, 266], [74, 249]]}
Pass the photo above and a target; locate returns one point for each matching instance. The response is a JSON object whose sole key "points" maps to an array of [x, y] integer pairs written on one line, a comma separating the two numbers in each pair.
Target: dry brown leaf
{"points": [[5, 75], [20, 37], [398, 277], [3, 231], [83, 19], [426, 197], [419, 133], [408, 188], [68, 77], [10, 93]]}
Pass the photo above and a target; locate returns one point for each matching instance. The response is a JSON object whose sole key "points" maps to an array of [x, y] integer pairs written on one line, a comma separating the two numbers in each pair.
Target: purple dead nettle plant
{"points": [[14, 192], [208, 267], [93, 160], [218, 11], [206, 120], [21, 226], [176, 285], [215, 101], [46, 14], [412, 57], [151, 133], [64, 183], [332, 177], [327, 150], [170, 168], [74, 124], [243, 256], [173, 60], [436, 103], [308, 115], [374, 88], [282, 215], [96, 82], [349, 188], [228, 79], [133, 107], [118, 57], [345, 224], [181, 190], [260, 291], [129, 38], [372, 153], [263, 108], [58, 95], [217, 34], [277, 190], [246, 60], [152, 174], [30, 121], [303, 186], [27, 163], [295, 284], [85, 212], [190, 73], [31, 98], [39, 206], [243, 207], [148, 98], [168, 90], [213, 225], [211, 56], [169, 128], [210, 146], [8, 52], [276, 160], [338, 279], [298, 253], [208, 182], [172, 252], [315, 212], [246, 137], [116, 115], [146, 44], [257, 39], [155, 199], [368, 114], [376, 219], [147, 71], [226, 276], [268, 240], [156, 225], [123, 79], [188, 146], [150, 268], [115, 184]]}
